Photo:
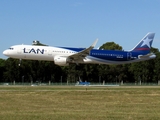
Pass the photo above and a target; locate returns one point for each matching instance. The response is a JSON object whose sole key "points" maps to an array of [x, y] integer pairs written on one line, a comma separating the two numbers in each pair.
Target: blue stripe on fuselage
{"points": [[110, 55], [73, 49], [113, 55]]}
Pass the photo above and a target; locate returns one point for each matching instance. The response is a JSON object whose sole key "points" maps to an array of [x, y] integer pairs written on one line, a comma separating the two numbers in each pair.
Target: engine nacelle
{"points": [[61, 61]]}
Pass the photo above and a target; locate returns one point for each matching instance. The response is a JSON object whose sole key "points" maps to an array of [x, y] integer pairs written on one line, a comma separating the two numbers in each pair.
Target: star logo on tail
{"points": [[146, 41]]}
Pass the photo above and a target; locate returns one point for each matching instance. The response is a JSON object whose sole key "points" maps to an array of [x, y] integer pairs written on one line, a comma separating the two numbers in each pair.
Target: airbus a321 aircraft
{"points": [[62, 56]]}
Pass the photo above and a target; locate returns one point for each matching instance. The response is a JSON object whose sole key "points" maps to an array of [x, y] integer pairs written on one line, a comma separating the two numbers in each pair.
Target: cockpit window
{"points": [[11, 48]]}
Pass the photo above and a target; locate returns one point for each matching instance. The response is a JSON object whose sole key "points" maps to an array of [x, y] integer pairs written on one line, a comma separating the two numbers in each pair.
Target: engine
{"points": [[61, 61]]}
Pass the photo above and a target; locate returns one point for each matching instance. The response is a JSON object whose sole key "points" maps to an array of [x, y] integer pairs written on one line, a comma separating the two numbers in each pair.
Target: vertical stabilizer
{"points": [[145, 44]]}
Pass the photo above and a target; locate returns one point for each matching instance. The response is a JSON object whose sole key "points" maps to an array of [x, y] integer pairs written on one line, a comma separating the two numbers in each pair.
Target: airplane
{"points": [[63, 56]]}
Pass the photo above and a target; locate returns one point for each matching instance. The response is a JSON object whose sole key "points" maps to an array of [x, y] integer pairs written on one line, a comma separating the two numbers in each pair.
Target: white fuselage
{"points": [[46, 53], [36, 52], [65, 55]]}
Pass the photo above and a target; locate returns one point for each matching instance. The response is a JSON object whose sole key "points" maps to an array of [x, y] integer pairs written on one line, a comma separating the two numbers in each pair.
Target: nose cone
{"points": [[5, 52]]}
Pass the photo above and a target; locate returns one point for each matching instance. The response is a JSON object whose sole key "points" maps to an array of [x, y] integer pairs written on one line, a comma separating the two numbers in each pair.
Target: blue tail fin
{"points": [[145, 44]]}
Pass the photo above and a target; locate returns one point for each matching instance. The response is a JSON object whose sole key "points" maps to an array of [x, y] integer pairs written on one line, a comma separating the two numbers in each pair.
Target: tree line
{"points": [[45, 71]]}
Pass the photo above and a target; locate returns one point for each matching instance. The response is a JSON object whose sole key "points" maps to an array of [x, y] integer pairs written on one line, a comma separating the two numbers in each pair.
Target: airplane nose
{"points": [[5, 52]]}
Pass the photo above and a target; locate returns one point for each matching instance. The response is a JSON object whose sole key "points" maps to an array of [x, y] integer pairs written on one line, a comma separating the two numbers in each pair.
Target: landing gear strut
{"points": [[20, 60]]}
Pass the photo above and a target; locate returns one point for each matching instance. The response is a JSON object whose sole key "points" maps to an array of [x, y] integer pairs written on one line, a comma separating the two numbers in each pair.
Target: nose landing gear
{"points": [[20, 60]]}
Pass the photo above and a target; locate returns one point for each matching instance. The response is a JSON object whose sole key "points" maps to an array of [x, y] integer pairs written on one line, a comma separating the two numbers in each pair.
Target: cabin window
{"points": [[11, 48]]}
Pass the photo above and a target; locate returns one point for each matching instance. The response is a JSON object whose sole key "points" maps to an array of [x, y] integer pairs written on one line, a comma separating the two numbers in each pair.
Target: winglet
{"points": [[94, 44]]}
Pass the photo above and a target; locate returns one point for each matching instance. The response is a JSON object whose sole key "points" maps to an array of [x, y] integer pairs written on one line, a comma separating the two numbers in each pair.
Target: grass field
{"points": [[79, 103]]}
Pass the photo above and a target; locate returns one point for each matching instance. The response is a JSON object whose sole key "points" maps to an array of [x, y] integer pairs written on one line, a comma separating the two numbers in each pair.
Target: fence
{"points": [[75, 84]]}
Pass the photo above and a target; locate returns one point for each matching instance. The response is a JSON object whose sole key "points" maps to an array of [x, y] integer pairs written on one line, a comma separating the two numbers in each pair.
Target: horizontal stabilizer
{"points": [[151, 55]]}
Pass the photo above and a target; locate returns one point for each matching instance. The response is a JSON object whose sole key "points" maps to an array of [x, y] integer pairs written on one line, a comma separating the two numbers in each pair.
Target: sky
{"points": [[77, 23]]}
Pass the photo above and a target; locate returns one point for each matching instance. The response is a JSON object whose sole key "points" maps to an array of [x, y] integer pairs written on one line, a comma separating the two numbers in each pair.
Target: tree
{"points": [[111, 73], [2, 69], [44, 71], [12, 70], [111, 46]]}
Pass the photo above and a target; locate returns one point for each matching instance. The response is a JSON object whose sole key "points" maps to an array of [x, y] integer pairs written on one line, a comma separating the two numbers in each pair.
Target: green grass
{"points": [[79, 103]]}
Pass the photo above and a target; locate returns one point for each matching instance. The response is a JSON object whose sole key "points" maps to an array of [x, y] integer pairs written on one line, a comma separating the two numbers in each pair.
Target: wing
{"points": [[82, 54]]}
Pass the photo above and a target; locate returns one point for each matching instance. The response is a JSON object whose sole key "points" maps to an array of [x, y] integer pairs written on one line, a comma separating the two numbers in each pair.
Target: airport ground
{"points": [[80, 103]]}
